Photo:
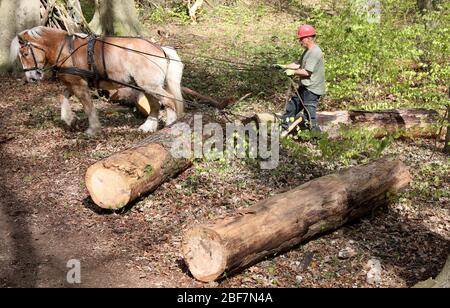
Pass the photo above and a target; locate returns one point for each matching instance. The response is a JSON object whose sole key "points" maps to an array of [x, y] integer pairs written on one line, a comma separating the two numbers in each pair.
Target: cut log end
{"points": [[204, 254], [108, 189]]}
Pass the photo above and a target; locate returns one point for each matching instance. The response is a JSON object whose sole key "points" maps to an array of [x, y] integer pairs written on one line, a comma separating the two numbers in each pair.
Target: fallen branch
{"points": [[131, 96], [207, 99]]}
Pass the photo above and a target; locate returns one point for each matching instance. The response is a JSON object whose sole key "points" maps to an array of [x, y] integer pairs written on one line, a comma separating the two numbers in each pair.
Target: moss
{"points": [[148, 171]]}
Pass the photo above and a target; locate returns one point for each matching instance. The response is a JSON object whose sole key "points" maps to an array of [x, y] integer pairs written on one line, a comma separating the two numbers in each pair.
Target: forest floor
{"points": [[47, 217]]}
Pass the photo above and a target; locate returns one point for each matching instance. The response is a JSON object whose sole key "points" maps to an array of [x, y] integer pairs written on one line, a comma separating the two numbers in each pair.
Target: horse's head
{"points": [[28, 46]]}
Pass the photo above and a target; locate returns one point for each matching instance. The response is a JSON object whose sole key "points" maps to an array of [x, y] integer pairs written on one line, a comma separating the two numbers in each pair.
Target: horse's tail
{"points": [[173, 78]]}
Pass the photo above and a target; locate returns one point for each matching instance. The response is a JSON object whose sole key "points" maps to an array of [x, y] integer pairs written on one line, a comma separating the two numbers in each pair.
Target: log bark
{"points": [[131, 97], [121, 178], [415, 122], [283, 221]]}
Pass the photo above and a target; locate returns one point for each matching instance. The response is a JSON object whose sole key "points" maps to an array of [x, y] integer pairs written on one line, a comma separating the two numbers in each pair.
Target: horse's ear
{"points": [[21, 40]]}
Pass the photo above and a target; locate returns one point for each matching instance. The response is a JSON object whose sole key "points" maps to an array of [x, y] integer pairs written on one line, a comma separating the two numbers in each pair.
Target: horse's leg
{"points": [[168, 100], [151, 124], [67, 114], [82, 93], [171, 116]]}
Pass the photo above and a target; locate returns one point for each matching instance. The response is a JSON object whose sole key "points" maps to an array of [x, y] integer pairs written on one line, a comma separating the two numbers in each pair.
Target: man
{"points": [[311, 71]]}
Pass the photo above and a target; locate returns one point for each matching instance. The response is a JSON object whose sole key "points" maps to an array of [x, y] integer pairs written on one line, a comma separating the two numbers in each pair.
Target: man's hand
{"points": [[282, 66], [290, 72]]}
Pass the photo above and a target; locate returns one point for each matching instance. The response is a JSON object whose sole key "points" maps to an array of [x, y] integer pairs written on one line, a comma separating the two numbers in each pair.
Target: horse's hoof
{"points": [[146, 129], [91, 132], [150, 126]]}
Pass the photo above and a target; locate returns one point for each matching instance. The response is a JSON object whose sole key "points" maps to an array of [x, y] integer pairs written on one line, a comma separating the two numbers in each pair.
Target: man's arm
{"points": [[297, 70], [302, 73]]}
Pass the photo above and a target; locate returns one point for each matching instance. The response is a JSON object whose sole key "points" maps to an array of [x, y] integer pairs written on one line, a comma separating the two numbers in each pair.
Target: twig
{"points": [[207, 99], [6, 139], [439, 133]]}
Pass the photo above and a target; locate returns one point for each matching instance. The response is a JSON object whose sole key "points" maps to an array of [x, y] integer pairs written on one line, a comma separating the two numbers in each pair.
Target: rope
{"points": [[247, 67]]}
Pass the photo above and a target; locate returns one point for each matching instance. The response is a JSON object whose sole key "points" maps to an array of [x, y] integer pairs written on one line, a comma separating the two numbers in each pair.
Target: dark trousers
{"points": [[294, 107]]}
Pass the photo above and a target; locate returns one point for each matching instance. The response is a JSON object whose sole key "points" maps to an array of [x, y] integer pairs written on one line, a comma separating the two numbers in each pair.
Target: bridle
{"points": [[36, 67], [31, 48]]}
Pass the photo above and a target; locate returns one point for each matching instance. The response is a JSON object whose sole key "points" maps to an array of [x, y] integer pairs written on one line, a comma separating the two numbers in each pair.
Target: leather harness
{"points": [[93, 76]]}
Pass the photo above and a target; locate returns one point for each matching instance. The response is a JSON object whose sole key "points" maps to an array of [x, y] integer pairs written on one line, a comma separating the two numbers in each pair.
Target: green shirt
{"points": [[312, 61]]}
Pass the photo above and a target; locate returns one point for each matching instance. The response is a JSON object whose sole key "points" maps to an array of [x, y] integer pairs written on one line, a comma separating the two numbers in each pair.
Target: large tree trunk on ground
{"points": [[416, 122], [116, 17], [119, 179], [15, 16], [137, 98], [285, 220]]}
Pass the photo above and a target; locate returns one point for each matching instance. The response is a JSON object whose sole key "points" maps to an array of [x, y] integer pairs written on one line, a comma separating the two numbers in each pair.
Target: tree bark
{"points": [[119, 179], [283, 221], [15, 16], [116, 17], [447, 135], [425, 5]]}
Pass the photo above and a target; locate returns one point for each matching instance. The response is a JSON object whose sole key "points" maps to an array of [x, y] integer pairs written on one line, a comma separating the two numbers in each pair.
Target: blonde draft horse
{"points": [[156, 70]]}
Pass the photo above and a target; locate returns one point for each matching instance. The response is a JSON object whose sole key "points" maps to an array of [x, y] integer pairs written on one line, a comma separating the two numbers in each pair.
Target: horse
{"points": [[81, 61]]}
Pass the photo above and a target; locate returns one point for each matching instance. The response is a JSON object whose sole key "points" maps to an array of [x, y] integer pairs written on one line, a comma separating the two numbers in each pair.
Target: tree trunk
{"points": [[425, 5], [116, 17], [119, 179], [284, 221], [15, 16], [447, 136], [415, 122]]}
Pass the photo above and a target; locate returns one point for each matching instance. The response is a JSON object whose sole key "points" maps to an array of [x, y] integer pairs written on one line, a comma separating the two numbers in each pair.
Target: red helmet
{"points": [[306, 31]]}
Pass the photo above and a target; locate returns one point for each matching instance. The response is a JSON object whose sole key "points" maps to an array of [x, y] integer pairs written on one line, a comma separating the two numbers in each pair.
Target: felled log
{"points": [[283, 221], [133, 97], [415, 122], [121, 178]]}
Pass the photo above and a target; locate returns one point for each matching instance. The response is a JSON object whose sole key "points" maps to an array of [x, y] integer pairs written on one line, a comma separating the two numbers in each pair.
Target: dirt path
{"points": [[46, 217]]}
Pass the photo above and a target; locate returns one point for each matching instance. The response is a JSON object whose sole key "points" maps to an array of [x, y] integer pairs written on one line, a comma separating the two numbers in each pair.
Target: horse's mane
{"points": [[35, 33], [38, 32], [14, 50]]}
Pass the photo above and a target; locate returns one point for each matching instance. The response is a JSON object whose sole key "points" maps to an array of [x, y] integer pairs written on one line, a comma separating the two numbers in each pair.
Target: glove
{"points": [[289, 72]]}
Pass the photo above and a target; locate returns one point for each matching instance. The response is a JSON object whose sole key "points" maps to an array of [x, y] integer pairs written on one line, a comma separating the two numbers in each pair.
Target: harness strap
{"points": [[78, 72], [70, 39], [105, 72], [55, 68]]}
